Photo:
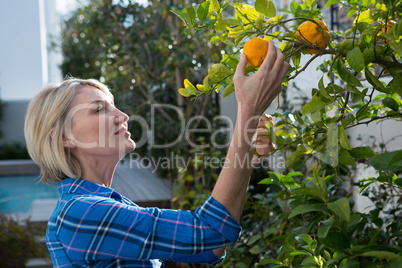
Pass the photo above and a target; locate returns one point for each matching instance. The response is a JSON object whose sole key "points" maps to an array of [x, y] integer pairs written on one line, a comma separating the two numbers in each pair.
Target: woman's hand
{"points": [[262, 143], [255, 93]]}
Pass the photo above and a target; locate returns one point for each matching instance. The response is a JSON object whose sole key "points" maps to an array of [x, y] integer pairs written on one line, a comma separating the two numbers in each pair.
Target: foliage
{"points": [[13, 151], [306, 216], [18, 242], [198, 177]]}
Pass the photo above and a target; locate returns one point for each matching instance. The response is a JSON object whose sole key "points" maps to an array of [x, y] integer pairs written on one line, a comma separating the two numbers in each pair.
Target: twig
{"points": [[304, 67]]}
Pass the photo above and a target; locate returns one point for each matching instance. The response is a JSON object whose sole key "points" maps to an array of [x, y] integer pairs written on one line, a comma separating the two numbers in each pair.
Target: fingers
{"points": [[240, 69], [265, 119], [284, 70], [270, 58], [280, 66]]}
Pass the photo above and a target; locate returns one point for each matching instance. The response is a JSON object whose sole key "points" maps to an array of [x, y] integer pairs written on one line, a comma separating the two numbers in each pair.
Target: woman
{"points": [[77, 136]]}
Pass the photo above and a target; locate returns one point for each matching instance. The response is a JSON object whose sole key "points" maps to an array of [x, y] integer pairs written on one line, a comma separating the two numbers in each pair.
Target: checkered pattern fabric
{"points": [[94, 226]]}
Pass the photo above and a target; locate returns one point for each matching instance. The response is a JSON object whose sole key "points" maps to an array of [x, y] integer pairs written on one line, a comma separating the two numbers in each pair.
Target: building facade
{"points": [[27, 62]]}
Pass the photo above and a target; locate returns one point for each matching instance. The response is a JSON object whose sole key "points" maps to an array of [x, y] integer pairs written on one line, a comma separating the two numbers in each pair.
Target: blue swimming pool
{"points": [[17, 192]]}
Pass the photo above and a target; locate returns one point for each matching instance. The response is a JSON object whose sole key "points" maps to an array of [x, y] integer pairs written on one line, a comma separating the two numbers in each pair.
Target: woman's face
{"points": [[98, 128]]}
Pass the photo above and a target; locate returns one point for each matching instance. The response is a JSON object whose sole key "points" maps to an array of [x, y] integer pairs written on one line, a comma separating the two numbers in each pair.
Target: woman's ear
{"points": [[67, 143]]}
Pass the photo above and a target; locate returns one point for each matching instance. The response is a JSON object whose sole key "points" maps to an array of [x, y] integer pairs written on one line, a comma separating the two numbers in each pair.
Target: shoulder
{"points": [[79, 207]]}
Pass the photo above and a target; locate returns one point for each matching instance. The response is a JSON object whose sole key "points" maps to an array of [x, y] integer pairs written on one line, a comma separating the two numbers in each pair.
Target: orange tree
{"points": [[305, 218]]}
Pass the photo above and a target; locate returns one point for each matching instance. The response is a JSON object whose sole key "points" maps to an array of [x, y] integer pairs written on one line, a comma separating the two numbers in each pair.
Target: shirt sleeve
{"points": [[94, 228]]}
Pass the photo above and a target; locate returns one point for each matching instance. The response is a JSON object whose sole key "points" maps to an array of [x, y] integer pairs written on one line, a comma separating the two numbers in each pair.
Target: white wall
{"points": [[20, 49], [25, 26], [26, 64]]}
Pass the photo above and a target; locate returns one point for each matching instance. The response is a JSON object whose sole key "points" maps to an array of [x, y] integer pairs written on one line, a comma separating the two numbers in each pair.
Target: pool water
{"points": [[18, 192]]}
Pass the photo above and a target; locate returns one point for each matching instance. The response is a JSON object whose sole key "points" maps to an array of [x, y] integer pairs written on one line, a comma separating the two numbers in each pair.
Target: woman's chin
{"points": [[130, 146]]}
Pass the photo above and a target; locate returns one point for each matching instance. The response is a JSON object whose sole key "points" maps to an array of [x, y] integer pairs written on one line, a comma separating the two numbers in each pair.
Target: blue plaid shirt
{"points": [[94, 226]]}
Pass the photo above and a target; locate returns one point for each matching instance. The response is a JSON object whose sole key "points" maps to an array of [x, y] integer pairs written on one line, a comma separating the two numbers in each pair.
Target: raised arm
{"points": [[254, 94]]}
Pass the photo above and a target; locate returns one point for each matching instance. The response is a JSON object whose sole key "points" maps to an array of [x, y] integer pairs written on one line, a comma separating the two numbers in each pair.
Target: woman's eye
{"points": [[100, 108]]}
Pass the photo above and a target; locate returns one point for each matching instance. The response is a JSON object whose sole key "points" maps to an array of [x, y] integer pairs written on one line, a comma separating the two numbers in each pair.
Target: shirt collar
{"points": [[80, 186]]}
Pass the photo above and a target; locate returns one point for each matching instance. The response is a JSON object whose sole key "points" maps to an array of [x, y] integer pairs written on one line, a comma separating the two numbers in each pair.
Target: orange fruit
{"points": [[311, 33], [390, 23], [256, 49]]}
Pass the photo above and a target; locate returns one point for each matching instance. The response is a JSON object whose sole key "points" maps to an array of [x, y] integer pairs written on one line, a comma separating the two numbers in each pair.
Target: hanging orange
{"points": [[390, 23], [311, 33], [256, 49]]}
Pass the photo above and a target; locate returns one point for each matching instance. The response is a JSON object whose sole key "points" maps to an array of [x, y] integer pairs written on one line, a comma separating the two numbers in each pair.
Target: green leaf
{"points": [[396, 83], [381, 252], [353, 89], [293, 157], [321, 184], [299, 119], [268, 261], [232, 22], [305, 208], [366, 16], [215, 39], [202, 88], [304, 239], [391, 103], [324, 228], [355, 59], [341, 208], [229, 89], [265, 7], [286, 255], [386, 255], [331, 2], [294, 7], [344, 140], [186, 92], [336, 240], [219, 70], [273, 179], [346, 159], [220, 23], [203, 10], [349, 263], [345, 45], [396, 45], [189, 86], [214, 6], [362, 152], [374, 81], [259, 23], [254, 239], [206, 83], [346, 75], [309, 191], [338, 256], [383, 161], [314, 105], [256, 249], [351, 12], [368, 55], [191, 14], [244, 10], [184, 17]]}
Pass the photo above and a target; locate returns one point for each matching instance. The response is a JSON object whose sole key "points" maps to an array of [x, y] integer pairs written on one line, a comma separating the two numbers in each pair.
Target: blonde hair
{"points": [[45, 129]]}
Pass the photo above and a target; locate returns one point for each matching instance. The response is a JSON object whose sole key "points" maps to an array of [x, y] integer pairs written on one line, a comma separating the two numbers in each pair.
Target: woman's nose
{"points": [[121, 117]]}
